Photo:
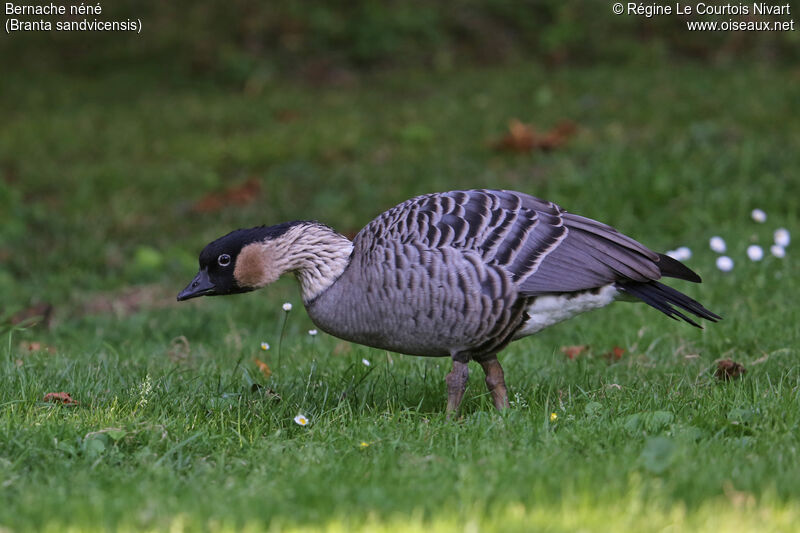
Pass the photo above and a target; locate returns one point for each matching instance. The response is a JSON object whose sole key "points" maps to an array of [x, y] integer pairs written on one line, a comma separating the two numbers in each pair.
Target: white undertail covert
{"points": [[548, 310]]}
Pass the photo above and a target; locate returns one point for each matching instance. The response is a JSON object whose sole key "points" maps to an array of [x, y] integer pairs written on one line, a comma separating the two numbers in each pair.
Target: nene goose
{"points": [[458, 274]]}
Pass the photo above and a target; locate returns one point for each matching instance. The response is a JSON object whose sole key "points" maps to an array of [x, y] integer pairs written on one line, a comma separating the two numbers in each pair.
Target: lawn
{"points": [[110, 186]]}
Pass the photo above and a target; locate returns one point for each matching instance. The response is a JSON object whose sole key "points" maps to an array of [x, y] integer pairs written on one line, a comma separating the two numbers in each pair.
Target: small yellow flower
{"points": [[264, 346], [364, 444], [553, 417], [301, 420]]}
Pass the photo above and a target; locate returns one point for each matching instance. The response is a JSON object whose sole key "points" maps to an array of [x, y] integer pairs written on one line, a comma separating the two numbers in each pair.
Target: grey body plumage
{"points": [[458, 274]]}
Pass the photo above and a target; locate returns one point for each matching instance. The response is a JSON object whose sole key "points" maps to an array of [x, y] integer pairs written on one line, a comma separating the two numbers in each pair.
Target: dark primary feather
{"points": [[663, 298], [672, 268]]}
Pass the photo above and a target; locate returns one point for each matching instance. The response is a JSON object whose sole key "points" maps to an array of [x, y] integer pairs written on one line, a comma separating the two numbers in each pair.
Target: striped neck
{"points": [[315, 253]]}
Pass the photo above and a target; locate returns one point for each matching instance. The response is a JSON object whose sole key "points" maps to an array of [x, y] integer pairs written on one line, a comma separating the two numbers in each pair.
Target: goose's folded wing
{"points": [[543, 248], [590, 254]]}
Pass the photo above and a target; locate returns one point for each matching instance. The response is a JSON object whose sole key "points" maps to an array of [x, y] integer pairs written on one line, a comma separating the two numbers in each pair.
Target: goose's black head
{"points": [[218, 274]]}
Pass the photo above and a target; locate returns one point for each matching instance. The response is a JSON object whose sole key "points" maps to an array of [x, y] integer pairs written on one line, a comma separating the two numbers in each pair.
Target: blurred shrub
{"points": [[235, 39]]}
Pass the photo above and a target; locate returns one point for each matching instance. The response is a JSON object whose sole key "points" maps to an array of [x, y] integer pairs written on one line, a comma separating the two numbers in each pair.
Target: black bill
{"points": [[200, 286]]}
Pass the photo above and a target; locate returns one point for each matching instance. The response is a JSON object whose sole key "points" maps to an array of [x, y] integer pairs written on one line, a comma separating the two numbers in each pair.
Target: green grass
{"points": [[98, 180]]}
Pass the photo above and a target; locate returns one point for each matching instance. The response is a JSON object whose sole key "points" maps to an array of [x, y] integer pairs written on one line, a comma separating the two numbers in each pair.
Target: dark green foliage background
{"points": [[243, 38]]}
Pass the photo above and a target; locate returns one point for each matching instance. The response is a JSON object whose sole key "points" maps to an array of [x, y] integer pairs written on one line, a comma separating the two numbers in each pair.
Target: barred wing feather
{"points": [[541, 246]]}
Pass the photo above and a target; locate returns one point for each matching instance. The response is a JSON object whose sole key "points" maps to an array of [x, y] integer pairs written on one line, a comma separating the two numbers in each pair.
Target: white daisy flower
{"points": [[724, 263], [755, 253], [312, 332], [366, 362], [782, 237], [683, 253], [717, 244], [265, 346], [301, 420], [287, 307], [777, 250], [758, 215], [680, 254]]}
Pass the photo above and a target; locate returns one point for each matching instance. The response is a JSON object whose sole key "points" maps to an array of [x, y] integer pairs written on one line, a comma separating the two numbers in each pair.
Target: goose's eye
{"points": [[224, 260]]}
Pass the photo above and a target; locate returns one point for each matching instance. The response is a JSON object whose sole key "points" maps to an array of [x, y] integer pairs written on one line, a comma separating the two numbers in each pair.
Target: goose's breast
{"points": [[429, 303]]}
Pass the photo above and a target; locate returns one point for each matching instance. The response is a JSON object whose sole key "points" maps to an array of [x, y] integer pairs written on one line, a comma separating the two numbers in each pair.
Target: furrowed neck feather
{"points": [[315, 253]]}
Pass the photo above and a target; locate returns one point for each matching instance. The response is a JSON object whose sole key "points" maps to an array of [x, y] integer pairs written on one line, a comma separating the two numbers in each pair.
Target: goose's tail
{"points": [[666, 299]]}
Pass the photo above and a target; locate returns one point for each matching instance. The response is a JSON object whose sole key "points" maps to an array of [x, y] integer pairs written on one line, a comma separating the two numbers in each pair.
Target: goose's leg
{"points": [[456, 384], [495, 381]]}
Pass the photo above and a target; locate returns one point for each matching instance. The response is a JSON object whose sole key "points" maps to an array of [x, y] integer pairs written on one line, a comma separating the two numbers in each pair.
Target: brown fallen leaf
{"points": [[40, 313], [263, 367], [36, 346], [615, 354], [524, 138], [574, 351], [286, 115], [558, 136], [241, 194], [521, 137], [728, 369], [60, 397]]}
